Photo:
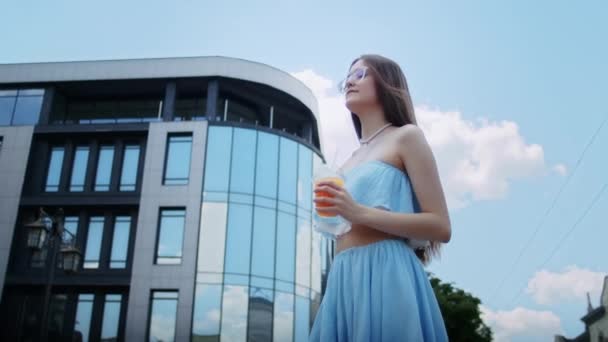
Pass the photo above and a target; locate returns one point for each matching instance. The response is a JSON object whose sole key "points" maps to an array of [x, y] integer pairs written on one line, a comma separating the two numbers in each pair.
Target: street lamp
{"points": [[48, 232]]}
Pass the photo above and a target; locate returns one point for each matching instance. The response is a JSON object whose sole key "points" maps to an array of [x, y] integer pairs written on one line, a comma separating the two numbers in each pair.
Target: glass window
{"points": [[303, 252], [79, 168], [288, 170], [70, 226], [112, 110], [111, 317], [262, 263], [7, 106], [38, 258], [234, 313], [238, 241], [93, 248], [190, 108], [212, 237], [267, 165], [302, 319], [130, 162], [286, 247], [261, 304], [163, 316], [243, 161], [206, 317], [170, 236], [84, 311], [56, 316], [304, 178], [315, 260], [177, 165], [120, 242], [27, 109], [54, 173], [240, 111], [283, 317], [31, 92], [104, 168], [217, 161]]}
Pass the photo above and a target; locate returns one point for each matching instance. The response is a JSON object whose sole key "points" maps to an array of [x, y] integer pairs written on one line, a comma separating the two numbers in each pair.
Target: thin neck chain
{"points": [[368, 140]]}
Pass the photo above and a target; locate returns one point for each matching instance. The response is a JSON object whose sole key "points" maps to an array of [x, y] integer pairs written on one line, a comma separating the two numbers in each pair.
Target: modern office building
{"points": [[185, 183]]}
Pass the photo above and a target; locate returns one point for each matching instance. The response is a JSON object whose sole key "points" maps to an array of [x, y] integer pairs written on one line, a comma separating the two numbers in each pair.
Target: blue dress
{"points": [[379, 291]]}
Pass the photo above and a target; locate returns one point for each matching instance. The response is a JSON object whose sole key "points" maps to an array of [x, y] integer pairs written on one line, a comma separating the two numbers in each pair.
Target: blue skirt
{"points": [[378, 292]]}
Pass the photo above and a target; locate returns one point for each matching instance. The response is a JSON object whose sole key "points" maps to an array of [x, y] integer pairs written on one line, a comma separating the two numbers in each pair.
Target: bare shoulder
{"points": [[412, 145], [410, 133]]}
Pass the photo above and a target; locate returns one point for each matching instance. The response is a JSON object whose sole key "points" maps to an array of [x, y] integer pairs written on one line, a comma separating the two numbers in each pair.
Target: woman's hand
{"points": [[340, 204]]}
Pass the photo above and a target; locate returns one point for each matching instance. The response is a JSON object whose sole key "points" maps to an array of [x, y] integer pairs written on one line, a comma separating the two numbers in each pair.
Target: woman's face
{"points": [[359, 88]]}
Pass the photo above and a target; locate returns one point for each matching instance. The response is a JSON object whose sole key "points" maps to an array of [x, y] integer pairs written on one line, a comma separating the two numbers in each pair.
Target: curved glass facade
{"points": [[260, 264]]}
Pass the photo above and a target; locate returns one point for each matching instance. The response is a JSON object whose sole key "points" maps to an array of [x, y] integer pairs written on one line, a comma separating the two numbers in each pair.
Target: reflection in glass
{"points": [[84, 311], [261, 303], [262, 258], [163, 316], [304, 178], [54, 172], [302, 319], [243, 161], [206, 320], [303, 252], [177, 166], [93, 248], [217, 161], [315, 260], [56, 316], [27, 110], [238, 241], [234, 313], [286, 251], [120, 242], [267, 165], [79, 168], [288, 170], [38, 258], [190, 107], [212, 237], [170, 236], [70, 224], [130, 161], [7, 105], [111, 317], [283, 317], [104, 168]]}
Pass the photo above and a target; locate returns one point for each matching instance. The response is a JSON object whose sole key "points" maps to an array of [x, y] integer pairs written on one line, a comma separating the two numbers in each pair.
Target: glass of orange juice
{"points": [[327, 224]]}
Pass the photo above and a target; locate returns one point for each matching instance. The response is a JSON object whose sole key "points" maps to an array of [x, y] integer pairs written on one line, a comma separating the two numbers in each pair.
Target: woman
{"points": [[377, 288]]}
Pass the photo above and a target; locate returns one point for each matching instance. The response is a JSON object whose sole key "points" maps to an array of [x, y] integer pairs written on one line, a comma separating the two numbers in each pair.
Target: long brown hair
{"points": [[394, 97]]}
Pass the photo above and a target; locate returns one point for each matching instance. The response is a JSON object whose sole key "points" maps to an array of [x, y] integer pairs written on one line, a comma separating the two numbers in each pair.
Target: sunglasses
{"points": [[355, 76]]}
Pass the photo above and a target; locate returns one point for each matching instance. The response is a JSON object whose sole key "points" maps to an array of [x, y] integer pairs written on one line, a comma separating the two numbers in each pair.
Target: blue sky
{"points": [[540, 66]]}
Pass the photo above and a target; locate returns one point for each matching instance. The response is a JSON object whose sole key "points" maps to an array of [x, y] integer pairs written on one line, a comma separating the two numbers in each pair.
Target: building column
{"points": [[169, 101], [47, 106], [213, 90]]}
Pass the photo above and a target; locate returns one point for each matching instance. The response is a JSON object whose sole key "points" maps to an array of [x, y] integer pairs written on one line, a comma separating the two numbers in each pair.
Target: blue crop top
{"points": [[378, 184]]}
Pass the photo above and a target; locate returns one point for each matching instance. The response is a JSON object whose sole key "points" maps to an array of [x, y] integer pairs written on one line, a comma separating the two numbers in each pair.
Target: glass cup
{"points": [[329, 225]]}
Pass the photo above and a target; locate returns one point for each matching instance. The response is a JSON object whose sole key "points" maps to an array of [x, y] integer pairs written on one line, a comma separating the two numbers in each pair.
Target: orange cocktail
{"points": [[336, 180]]}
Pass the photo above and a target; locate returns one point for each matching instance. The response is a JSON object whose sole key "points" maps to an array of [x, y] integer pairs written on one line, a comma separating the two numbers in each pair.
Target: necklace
{"points": [[368, 140]]}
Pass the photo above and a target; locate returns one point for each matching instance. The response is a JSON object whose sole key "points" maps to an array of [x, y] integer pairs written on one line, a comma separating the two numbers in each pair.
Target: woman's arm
{"points": [[432, 223]]}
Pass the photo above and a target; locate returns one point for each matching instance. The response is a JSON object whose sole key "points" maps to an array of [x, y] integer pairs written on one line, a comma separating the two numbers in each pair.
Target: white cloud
{"points": [[336, 124], [571, 284], [521, 324], [477, 159], [561, 169]]}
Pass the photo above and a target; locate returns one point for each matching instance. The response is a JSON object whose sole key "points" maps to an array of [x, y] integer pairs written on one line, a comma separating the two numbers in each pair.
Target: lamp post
{"points": [[48, 232]]}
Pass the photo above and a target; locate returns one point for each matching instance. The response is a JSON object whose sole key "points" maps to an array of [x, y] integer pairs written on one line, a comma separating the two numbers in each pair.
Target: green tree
{"points": [[461, 313]]}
